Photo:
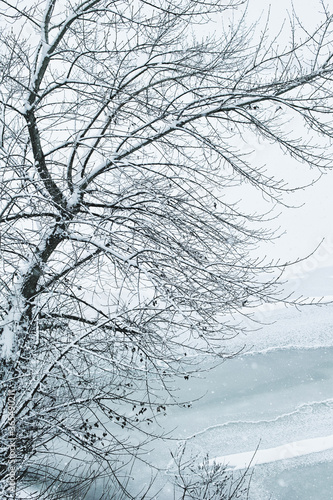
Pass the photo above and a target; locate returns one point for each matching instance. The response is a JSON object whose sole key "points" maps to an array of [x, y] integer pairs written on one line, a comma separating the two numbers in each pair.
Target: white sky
{"points": [[306, 226]]}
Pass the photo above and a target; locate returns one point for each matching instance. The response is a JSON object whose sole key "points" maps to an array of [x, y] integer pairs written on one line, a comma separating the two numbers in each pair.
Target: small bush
{"points": [[207, 480]]}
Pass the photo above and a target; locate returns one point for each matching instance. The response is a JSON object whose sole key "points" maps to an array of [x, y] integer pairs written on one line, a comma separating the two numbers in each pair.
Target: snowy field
{"points": [[277, 396]]}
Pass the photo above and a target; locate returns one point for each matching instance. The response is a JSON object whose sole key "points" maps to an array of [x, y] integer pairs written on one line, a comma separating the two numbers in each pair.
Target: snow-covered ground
{"points": [[288, 450], [277, 397]]}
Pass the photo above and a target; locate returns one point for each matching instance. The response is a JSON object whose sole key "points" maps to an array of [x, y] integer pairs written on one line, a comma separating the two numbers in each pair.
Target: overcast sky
{"points": [[306, 226]]}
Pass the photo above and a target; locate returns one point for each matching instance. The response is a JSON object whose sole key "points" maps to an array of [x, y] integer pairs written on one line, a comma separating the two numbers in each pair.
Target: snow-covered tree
{"points": [[125, 128]]}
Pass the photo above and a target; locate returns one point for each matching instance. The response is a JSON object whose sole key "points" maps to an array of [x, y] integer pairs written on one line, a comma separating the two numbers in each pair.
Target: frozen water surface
{"points": [[277, 397]]}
